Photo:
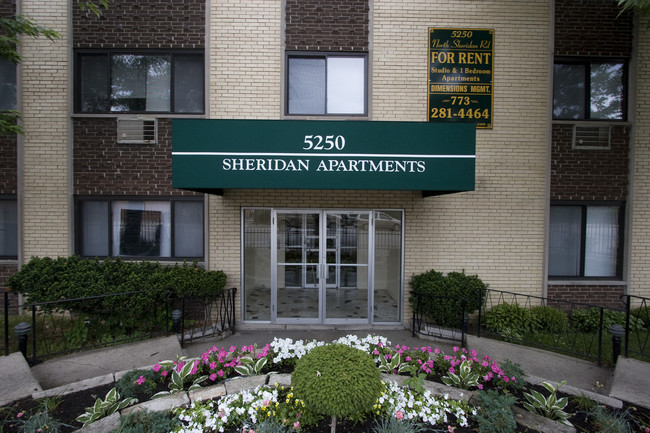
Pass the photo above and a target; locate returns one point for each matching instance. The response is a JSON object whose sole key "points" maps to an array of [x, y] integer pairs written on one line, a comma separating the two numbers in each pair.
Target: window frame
{"points": [[325, 55], [14, 199], [10, 83], [136, 52], [587, 62], [109, 200], [584, 205]]}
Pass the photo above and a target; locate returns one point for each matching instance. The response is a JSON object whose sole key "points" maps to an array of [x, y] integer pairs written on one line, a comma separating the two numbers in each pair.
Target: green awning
{"points": [[210, 155]]}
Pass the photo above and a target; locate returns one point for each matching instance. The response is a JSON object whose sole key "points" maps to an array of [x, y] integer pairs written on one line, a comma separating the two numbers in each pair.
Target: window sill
{"points": [[586, 282]]}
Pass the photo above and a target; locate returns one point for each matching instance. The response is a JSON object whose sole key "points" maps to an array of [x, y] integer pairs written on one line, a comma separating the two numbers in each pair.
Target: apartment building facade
{"points": [[317, 153]]}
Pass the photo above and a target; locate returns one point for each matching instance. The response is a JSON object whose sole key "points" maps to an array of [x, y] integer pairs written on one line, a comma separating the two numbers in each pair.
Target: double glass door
{"points": [[321, 266]]}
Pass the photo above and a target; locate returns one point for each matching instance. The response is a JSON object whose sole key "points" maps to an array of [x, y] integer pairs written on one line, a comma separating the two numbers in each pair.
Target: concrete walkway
{"points": [[630, 381]]}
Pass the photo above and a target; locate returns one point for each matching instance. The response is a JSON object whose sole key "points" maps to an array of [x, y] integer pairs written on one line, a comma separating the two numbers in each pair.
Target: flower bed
{"points": [[412, 395]]}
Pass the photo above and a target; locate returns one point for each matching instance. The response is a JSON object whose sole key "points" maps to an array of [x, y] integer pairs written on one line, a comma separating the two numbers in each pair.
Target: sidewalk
{"points": [[630, 381]]}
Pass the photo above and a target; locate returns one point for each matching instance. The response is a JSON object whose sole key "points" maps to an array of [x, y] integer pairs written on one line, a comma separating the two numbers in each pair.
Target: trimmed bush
{"points": [[442, 297], [337, 381], [45, 279]]}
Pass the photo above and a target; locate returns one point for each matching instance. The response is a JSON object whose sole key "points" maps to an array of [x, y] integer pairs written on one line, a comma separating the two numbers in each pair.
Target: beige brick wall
{"points": [[497, 231], [45, 143], [640, 212]]}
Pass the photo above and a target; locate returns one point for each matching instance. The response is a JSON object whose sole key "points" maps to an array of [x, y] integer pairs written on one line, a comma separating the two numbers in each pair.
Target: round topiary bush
{"points": [[337, 380]]}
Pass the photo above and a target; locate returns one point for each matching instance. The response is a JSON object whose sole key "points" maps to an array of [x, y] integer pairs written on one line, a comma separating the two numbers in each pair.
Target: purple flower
{"points": [[213, 377]]}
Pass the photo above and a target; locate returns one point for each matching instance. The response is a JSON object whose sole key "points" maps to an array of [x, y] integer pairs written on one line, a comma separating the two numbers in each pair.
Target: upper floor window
{"points": [[7, 84], [585, 241], [327, 84], [140, 228], [8, 229], [120, 82], [589, 90]]}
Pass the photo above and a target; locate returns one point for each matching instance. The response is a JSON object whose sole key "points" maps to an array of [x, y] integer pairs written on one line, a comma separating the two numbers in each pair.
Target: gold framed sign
{"points": [[461, 68]]}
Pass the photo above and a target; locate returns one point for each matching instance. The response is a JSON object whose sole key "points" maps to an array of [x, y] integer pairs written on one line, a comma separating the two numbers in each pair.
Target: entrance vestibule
{"points": [[322, 266]]}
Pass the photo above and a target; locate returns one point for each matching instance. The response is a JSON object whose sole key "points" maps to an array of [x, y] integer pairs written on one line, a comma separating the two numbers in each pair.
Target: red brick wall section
{"points": [[592, 28], [608, 296], [318, 25], [166, 24], [104, 167], [589, 174]]}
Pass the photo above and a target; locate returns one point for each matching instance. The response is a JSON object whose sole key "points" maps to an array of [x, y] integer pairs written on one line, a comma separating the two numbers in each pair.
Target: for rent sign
{"points": [[300, 154], [460, 76]]}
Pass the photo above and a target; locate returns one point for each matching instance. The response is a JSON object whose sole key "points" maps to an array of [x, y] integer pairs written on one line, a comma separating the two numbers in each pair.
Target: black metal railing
{"points": [[450, 325], [47, 329], [203, 318], [637, 326], [582, 330]]}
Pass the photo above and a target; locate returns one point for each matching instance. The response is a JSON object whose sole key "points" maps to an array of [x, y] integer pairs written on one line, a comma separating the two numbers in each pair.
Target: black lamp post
{"points": [[618, 332], [176, 318], [22, 330]]}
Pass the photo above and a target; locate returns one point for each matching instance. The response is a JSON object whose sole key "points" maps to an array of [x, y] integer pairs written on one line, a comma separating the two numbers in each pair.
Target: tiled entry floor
{"points": [[303, 303]]}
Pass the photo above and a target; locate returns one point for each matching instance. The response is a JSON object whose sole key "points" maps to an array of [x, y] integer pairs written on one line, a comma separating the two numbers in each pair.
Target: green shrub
{"points": [[442, 296], [587, 320], [147, 422], [338, 381], [45, 279], [494, 414], [550, 319], [510, 320], [129, 385]]}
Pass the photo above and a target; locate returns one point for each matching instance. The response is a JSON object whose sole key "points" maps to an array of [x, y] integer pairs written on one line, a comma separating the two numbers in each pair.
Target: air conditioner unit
{"points": [[137, 131], [591, 137]]}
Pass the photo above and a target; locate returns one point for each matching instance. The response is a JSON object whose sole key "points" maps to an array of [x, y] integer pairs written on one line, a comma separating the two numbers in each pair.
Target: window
{"points": [[139, 82], [7, 84], [8, 229], [585, 241], [137, 228], [326, 84], [589, 90]]}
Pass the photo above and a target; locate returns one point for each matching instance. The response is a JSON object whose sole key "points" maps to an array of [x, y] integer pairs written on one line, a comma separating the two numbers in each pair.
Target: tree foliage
{"points": [[640, 6]]}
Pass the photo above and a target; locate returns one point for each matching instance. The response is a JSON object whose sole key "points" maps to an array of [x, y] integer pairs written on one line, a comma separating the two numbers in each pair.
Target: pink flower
{"points": [[213, 365], [140, 380], [452, 370], [456, 349], [220, 373], [375, 352], [480, 386], [296, 425], [233, 348], [506, 379], [157, 367], [408, 358], [164, 373], [399, 415], [436, 351], [20, 414], [213, 377], [388, 356]]}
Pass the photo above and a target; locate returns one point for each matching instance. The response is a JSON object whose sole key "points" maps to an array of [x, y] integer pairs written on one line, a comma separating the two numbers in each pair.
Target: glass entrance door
{"points": [[321, 266], [346, 263]]}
